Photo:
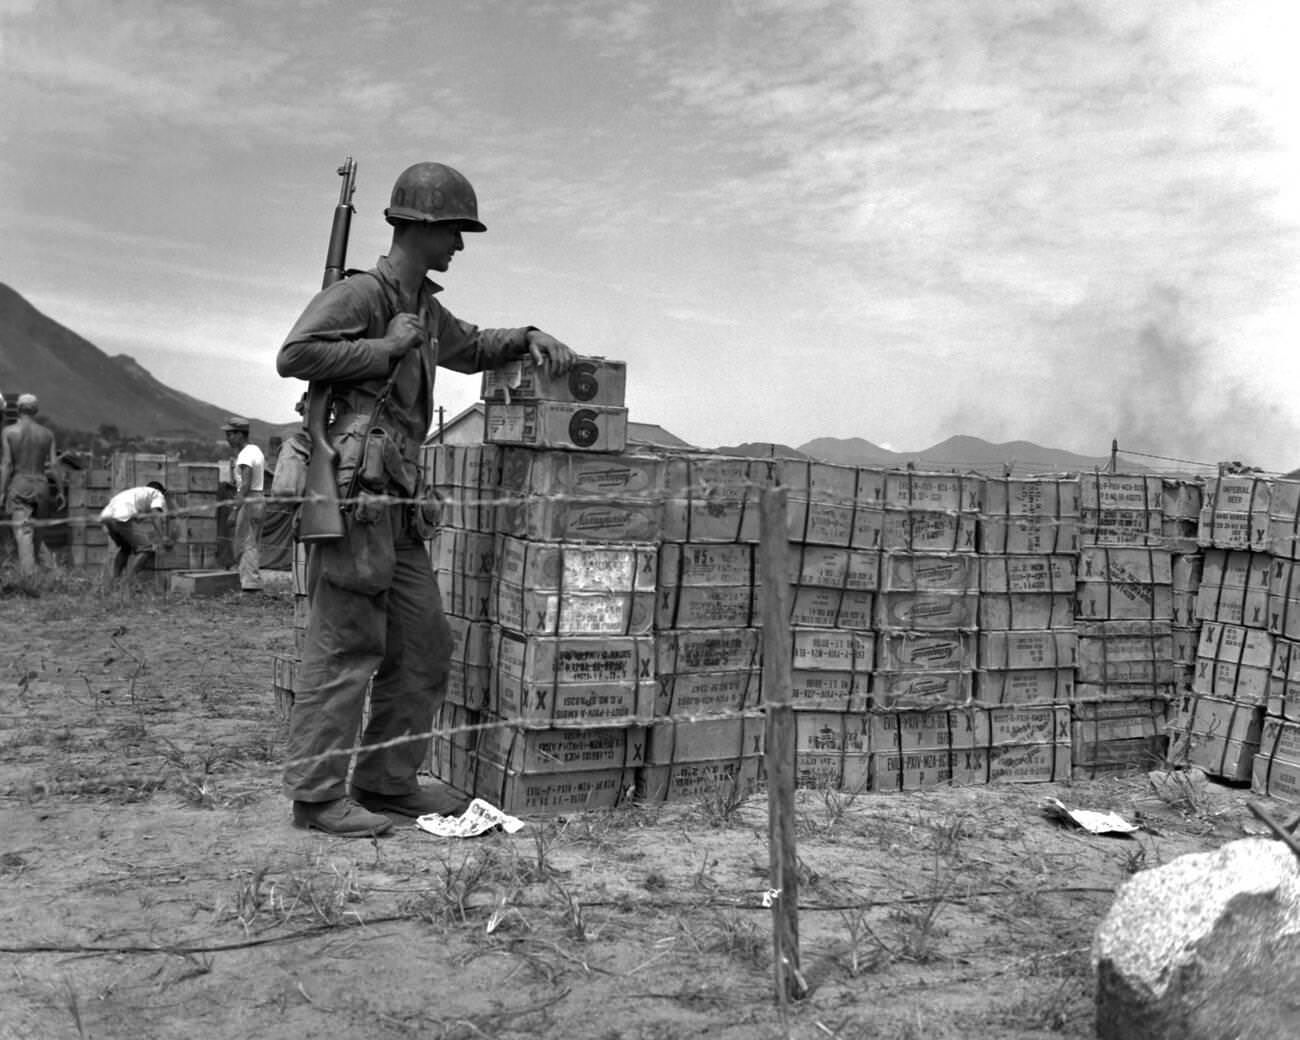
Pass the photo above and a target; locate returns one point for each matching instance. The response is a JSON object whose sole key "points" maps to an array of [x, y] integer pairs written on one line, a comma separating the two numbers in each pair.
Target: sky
{"points": [[1053, 220]]}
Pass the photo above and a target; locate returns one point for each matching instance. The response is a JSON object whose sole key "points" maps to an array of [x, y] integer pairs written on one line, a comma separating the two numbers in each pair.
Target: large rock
{"points": [[1204, 948]]}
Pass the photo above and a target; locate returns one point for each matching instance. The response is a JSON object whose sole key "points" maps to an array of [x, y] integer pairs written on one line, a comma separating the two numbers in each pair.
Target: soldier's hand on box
{"points": [[549, 353]]}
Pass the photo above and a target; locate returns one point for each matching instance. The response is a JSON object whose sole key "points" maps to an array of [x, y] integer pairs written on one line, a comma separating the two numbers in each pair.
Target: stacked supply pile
{"points": [[1218, 721], [556, 616], [834, 523], [1276, 767], [1125, 610], [937, 597], [88, 493], [191, 503], [707, 732], [1029, 544]]}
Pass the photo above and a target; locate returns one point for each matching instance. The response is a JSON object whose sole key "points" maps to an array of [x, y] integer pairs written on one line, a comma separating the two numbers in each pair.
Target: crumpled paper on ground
{"points": [[1096, 822], [478, 818]]}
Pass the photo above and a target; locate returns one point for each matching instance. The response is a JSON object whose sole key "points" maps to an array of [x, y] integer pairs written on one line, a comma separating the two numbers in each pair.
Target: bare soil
{"points": [[151, 884]]}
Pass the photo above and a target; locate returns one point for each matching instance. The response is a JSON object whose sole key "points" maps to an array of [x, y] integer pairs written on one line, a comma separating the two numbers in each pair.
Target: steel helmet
{"points": [[430, 192]]}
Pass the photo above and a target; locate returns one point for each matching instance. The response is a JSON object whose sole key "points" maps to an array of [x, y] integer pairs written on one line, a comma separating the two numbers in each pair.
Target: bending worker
{"points": [[376, 339], [125, 520]]}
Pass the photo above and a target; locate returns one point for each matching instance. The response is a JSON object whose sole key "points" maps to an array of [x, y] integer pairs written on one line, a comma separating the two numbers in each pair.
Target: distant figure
{"points": [[250, 478], [124, 520], [28, 466]]}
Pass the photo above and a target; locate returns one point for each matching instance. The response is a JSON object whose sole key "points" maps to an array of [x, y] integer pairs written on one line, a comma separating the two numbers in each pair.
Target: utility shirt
{"points": [[336, 341]]}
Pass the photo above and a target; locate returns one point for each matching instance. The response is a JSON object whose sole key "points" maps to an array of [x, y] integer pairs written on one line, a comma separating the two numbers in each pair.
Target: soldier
{"points": [[250, 508], [376, 339], [28, 465]]}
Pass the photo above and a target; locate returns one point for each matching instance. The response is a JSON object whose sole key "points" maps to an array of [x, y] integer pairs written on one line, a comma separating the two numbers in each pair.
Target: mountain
{"points": [[82, 388], [964, 454]]}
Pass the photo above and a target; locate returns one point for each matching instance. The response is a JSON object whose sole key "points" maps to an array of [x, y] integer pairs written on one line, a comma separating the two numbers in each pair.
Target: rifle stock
{"points": [[321, 519]]}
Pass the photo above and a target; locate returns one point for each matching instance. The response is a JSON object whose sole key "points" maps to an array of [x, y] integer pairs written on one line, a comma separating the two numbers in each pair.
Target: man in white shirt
{"points": [[250, 475], [125, 520]]}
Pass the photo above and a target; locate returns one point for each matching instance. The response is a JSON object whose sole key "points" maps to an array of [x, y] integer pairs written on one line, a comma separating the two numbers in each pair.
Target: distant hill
{"points": [[964, 454], [82, 388], [763, 450]]}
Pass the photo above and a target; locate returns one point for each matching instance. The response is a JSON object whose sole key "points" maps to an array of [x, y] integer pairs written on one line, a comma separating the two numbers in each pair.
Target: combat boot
{"points": [[342, 817]]}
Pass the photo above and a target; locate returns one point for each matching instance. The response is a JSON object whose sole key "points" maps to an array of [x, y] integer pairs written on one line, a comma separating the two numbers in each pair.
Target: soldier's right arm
{"points": [[330, 342]]}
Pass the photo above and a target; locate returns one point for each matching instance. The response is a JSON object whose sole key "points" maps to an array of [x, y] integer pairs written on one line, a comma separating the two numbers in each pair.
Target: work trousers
{"points": [[248, 539], [399, 636], [28, 495]]}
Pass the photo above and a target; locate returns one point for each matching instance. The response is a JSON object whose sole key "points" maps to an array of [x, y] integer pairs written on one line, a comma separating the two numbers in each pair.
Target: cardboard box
{"points": [[1014, 764], [1105, 601], [833, 770], [532, 751], [471, 553], [1125, 566], [546, 794], [1234, 588], [903, 651], [573, 679], [1045, 497], [1117, 691], [1024, 574], [1284, 680], [476, 467], [818, 689], [591, 380], [579, 519], [1026, 610], [468, 597], [551, 424], [972, 727], [921, 689], [1119, 758], [1280, 738], [726, 779], [1028, 535], [1217, 755], [704, 740], [714, 498], [1100, 722], [829, 481], [708, 693], [832, 608], [838, 650], [1233, 662], [933, 572], [830, 567], [955, 492], [564, 567], [1025, 686], [914, 530], [1235, 513], [1008, 650], [708, 607], [700, 564], [1275, 777], [551, 613], [586, 475], [927, 611], [686, 651], [1213, 716]]}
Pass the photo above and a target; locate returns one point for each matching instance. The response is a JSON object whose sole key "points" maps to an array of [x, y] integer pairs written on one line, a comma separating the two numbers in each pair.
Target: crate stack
{"points": [[1217, 723], [552, 596], [1125, 609], [88, 493], [707, 730], [834, 523], [1275, 770], [192, 504]]}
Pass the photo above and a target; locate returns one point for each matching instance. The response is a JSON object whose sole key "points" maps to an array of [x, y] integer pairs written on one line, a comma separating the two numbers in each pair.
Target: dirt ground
{"points": [[152, 886]]}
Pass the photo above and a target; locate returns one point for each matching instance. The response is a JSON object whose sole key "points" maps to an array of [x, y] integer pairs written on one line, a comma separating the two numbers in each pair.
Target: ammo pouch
{"points": [[371, 458]]}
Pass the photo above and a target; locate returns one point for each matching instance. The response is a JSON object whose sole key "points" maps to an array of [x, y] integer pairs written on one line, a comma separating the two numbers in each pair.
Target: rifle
{"points": [[322, 519]]}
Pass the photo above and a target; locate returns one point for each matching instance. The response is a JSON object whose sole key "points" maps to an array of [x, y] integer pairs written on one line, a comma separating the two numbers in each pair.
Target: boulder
{"points": [[1204, 948]]}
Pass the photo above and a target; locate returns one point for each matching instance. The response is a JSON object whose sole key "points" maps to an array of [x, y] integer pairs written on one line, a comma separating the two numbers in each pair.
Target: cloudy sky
{"points": [[1059, 220]]}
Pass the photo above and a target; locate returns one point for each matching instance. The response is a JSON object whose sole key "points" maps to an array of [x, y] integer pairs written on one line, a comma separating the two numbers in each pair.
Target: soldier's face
{"points": [[442, 241]]}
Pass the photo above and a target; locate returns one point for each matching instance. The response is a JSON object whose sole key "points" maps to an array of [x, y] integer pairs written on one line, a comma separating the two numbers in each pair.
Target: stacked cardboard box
{"points": [[192, 504], [1218, 722], [1132, 526], [706, 629], [1029, 541], [1276, 767], [547, 559]]}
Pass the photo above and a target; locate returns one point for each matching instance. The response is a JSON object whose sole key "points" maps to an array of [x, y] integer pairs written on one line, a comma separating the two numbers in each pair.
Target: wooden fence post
{"points": [[774, 552]]}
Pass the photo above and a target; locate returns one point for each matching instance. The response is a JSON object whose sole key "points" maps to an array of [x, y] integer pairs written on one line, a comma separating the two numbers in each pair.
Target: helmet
{"points": [[430, 192]]}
